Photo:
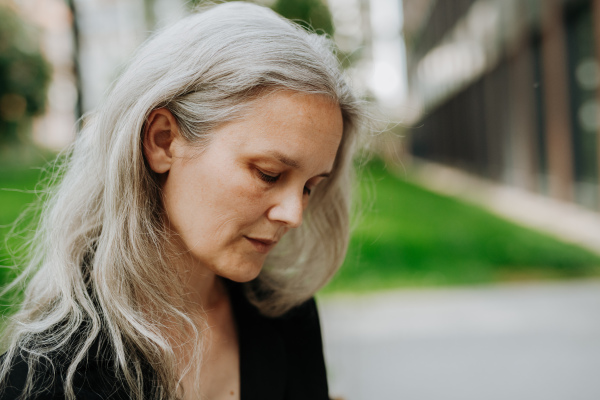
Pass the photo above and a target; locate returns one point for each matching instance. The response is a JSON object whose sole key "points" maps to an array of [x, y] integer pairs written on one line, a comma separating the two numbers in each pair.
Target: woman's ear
{"points": [[160, 134]]}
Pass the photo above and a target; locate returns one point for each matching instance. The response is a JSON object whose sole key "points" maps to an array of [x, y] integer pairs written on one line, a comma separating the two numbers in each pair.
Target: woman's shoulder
{"points": [[44, 385], [93, 379]]}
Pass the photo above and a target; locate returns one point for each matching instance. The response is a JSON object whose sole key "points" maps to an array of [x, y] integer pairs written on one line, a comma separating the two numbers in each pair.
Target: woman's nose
{"points": [[288, 209]]}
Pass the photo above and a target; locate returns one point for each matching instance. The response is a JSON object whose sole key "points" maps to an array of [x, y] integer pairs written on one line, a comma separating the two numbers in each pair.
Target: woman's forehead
{"points": [[287, 126]]}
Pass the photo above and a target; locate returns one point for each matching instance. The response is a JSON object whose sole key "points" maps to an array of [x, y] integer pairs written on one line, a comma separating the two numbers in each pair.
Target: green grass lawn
{"points": [[17, 185], [408, 236]]}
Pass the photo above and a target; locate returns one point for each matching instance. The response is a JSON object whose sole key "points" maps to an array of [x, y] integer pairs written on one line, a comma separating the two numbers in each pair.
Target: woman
{"points": [[200, 208]]}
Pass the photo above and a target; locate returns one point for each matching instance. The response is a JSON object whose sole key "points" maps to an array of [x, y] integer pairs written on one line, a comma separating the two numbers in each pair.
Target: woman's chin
{"points": [[241, 275]]}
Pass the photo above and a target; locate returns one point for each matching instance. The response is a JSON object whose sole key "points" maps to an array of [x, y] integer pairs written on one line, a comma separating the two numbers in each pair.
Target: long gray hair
{"points": [[100, 254]]}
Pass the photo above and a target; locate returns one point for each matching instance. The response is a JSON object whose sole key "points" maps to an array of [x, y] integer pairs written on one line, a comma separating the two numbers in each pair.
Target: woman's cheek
{"points": [[252, 187]]}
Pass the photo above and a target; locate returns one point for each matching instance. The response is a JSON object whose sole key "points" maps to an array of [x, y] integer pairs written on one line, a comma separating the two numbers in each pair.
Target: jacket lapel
{"points": [[263, 366]]}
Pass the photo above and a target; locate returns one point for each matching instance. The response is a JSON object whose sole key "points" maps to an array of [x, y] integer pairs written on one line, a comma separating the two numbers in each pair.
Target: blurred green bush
{"points": [[24, 75], [307, 13]]}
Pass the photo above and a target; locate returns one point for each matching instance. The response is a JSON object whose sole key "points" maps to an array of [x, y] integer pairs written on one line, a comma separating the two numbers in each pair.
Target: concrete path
{"points": [[510, 342]]}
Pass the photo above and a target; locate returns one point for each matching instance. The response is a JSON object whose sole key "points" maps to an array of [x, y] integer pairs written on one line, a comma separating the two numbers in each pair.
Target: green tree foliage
{"points": [[24, 74], [312, 13], [307, 13]]}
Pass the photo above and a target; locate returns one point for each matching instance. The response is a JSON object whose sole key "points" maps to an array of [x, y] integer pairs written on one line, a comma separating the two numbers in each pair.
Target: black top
{"points": [[280, 359]]}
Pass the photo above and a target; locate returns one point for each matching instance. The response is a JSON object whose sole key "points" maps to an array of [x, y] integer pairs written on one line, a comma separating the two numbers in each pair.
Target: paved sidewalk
{"points": [[517, 342], [566, 221]]}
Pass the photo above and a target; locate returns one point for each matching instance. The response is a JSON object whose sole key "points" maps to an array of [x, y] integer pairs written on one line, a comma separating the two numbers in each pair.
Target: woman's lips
{"points": [[262, 245]]}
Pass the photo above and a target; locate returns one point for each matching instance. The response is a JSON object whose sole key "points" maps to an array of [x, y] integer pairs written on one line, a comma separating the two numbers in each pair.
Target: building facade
{"points": [[509, 90]]}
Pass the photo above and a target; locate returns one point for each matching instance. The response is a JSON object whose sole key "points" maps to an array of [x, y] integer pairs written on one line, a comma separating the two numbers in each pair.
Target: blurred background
{"points": [[473, 268]]}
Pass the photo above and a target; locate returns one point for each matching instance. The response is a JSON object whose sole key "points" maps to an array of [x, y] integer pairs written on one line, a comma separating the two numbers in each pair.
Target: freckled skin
{"points": [[216, 199]]}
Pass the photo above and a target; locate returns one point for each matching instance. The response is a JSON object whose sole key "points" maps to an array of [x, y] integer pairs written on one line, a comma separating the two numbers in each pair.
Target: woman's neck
{"points": [[204, 289]]}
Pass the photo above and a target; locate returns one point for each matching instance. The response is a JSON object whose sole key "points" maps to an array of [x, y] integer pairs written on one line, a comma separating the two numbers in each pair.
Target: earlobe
{"points": [[160, 133]]}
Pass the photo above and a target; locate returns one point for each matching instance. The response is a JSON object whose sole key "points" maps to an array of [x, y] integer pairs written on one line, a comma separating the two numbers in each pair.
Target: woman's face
{"points": [[233, 201]]}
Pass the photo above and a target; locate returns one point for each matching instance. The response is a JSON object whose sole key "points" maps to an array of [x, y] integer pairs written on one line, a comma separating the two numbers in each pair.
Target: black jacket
{"points": [[280, 359]]}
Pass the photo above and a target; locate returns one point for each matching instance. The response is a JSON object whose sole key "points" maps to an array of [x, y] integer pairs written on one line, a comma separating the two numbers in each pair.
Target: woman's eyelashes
{"points": [[272, 178], [269, 178]]}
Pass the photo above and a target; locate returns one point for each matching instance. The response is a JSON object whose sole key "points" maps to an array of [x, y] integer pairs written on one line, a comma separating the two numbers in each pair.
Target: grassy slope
{"points": [[412, 237]]}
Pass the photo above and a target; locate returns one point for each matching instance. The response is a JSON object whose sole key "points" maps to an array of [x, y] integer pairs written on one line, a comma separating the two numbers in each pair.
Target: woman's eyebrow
{"points": [[285, 159], [291, 162]]}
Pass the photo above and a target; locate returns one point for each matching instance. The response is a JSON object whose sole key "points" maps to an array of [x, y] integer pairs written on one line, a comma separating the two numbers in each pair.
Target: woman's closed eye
{"points": [[268, 177], [272, 178]]}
